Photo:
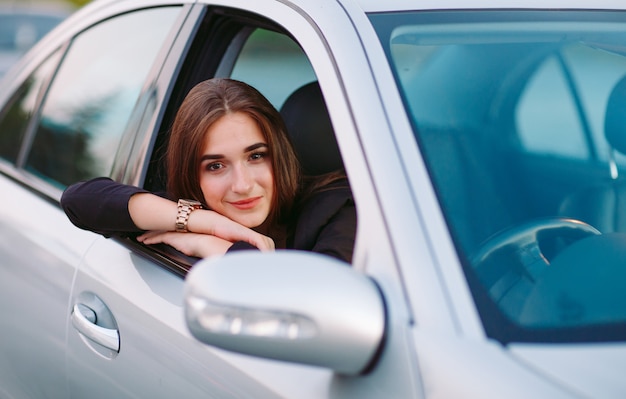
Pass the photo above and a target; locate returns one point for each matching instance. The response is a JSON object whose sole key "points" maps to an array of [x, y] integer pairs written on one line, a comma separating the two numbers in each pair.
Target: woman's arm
{"points": [[107, 207], [152, 213], [100, 205]]}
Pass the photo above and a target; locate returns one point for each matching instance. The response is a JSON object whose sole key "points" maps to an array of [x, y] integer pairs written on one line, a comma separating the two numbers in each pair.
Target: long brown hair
{"points": [[207, 102]]}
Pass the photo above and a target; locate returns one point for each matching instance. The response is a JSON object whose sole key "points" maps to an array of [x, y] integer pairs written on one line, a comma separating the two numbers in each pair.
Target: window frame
{"points": [[211, 49], [203, 43]]}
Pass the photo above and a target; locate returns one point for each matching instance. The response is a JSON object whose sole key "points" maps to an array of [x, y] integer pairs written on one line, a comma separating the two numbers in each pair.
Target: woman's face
{"points": [[235, 170]]}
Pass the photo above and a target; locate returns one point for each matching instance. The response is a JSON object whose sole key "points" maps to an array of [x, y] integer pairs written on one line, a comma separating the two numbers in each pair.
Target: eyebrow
{"points": [[247, 149]]}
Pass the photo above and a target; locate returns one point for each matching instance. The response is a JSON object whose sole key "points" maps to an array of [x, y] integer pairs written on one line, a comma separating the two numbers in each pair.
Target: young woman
{"points": [[233, 182]]}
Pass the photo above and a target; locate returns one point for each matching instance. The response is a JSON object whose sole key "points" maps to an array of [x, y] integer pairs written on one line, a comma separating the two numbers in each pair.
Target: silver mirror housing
{"points": [[287, 305]]}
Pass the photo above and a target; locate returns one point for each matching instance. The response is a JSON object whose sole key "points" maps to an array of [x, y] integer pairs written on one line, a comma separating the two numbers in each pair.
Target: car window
{"points": [[515, 120], [16, 116], [93, 94], [274, 64], [229, 45]]}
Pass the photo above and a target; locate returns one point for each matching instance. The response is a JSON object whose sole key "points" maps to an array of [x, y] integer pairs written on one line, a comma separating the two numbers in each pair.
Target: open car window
{"points": [[272, 63], [262, 55]]}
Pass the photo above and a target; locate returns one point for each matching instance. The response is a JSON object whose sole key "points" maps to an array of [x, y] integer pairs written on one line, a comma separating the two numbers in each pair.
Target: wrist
{"points": [[185, 208]]}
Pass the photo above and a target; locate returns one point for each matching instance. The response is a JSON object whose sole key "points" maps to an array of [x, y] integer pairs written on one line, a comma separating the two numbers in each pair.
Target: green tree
{"points": [[78, 3]]}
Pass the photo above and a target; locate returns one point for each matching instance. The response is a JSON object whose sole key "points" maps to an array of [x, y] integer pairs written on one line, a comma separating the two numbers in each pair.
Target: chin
{"points": [[250, 223]]}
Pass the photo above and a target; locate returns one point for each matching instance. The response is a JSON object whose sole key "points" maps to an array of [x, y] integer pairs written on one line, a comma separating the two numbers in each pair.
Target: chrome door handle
{"points": [[84, 320]]}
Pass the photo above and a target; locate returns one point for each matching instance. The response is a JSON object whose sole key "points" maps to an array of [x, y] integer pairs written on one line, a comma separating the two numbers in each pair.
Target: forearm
{"points": [[100, 205], [153, 213]]}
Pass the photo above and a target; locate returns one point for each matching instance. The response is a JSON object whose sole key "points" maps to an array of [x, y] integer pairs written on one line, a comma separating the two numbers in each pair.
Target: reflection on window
{"points": [[547, 118], [93, 94], [595, 72], [14, 121]]}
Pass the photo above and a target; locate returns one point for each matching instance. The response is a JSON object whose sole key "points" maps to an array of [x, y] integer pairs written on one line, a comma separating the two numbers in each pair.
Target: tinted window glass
{"points": [[93, 94], [15, 118], [514, 113]]}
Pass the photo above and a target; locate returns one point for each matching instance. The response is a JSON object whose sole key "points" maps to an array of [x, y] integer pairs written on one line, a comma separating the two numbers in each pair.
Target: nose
{"points": [[242, 180]]}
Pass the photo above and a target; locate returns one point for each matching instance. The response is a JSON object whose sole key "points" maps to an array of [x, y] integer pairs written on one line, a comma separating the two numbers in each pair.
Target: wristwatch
{"points": [[185, 207]]}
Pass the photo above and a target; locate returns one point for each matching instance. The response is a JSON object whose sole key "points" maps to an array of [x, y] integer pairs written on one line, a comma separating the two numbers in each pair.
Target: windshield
{"points": [[521, 119]]}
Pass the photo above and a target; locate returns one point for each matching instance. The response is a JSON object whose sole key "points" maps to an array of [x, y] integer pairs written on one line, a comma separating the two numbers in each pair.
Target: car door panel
{"points": [[35, 289], [157, 358]]}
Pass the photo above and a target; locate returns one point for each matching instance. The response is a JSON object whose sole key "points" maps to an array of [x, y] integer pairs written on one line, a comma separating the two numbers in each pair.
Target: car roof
{"points": [[397, 5]]}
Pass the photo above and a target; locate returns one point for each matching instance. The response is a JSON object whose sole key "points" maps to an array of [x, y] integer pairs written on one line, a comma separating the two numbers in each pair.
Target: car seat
{"points": [[308, 124], [603, 205]]}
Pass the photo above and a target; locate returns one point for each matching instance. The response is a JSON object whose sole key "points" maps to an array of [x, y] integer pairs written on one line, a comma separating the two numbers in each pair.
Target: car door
{"points": [[138, 291], [126, 334], [120, 340], [39, 252], [136, 296]]}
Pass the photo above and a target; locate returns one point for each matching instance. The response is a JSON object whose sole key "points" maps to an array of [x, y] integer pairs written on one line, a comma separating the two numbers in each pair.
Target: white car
{"points": [[483, 142]]}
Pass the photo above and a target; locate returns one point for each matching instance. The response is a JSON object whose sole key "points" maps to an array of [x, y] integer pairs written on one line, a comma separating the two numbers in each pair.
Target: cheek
{"points": [[211, 190], [267, 179]]}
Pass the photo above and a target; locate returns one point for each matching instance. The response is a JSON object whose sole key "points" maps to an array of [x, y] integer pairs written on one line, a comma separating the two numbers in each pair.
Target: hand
{"points": [[191, 244], [213, 223]]}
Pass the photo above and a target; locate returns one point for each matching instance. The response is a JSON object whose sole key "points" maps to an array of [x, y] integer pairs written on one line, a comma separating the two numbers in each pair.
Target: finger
{"points": [[155, 238], [149, 234]]}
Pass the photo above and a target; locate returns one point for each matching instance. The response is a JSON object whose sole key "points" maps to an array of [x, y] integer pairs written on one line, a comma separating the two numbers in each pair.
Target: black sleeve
{"points": [[336, 237], [100, 205], [240, 246], [327, 223]]}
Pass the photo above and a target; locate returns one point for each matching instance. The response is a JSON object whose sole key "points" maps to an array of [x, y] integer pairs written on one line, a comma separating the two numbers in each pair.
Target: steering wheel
{"points": [[514, 255]]}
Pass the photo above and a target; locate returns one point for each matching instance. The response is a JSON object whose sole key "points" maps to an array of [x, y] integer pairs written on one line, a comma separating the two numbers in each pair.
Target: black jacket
{"points": [[325, 223]]}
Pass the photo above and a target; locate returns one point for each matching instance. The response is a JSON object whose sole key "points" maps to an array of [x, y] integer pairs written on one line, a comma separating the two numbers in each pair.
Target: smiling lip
{"points": [[248, 203]]}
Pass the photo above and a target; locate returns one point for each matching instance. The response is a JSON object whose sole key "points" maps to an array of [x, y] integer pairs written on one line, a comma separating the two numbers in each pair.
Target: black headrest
{"points": [[615, 118], [311, 131]]}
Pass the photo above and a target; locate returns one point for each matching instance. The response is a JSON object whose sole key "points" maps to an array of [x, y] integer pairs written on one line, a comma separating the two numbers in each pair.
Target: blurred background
{"points": [[24, 22]]}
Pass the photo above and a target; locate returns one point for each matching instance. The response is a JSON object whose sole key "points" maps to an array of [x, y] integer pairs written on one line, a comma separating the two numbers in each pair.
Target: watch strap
{"points": [[185, 207]]}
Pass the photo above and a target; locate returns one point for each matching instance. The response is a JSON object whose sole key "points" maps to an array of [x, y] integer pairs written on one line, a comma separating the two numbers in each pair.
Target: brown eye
{"points": [[258, 155], [214, 166]]}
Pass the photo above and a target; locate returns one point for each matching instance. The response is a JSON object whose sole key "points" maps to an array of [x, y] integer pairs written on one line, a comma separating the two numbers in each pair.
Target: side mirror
{"points": [[287, 305]]}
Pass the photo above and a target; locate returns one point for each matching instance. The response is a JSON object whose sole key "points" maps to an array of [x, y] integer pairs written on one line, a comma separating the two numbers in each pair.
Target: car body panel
{"points": [[435, 344], [507, 377], [598, 375], [144, 299], [35, 290]]}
